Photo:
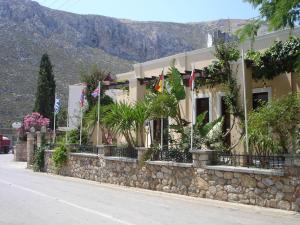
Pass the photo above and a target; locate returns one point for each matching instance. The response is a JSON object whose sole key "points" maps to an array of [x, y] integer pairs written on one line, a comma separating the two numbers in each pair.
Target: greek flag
{"points": [[57, 105]]}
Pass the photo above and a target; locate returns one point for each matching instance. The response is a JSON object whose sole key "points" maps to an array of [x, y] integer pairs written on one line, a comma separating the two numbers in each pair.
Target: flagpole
{"points": [[98, 119], [245, 102], [54, 120], [193, 106], [67, 127], [161, 119], [80, 125]]}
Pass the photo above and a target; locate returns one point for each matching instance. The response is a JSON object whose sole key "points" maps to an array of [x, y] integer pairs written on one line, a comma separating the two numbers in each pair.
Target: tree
{"points": [[249, 31], [45, 96], [91, 79], [279, 13]]}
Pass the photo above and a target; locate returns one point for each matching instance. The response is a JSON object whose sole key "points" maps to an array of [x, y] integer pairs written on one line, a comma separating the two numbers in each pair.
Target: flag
{"points": [[159, 86], [96, 92], [57, 105], [192, 79], [82, 98]]}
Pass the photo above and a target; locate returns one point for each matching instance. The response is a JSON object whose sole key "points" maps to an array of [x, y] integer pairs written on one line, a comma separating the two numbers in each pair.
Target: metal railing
{"points": [[82, 148], [174, 153], [122, 152], [256, 161]]}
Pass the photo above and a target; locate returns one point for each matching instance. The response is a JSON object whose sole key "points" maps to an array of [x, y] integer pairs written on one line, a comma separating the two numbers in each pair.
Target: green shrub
{"points": [[60, 156], [74, 136], [274, 126], [39, 160]]}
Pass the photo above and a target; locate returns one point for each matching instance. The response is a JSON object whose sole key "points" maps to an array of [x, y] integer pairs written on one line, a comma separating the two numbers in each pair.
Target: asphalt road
{"points": [[28, 198]]}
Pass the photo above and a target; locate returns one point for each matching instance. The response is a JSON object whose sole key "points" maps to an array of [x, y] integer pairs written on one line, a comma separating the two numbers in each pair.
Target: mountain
{"points": [[75, 43]]}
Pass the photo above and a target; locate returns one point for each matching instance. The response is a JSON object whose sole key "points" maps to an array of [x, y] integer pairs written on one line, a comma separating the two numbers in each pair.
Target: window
{"points": [[260, 97], [203, 104], [157, 131]]}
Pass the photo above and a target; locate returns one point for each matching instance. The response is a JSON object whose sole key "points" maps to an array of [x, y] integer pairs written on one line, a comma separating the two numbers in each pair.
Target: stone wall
{"points": [[20, 152], [267, 188]]}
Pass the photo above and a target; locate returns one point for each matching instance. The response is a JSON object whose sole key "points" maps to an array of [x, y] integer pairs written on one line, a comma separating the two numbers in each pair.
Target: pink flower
{"points": [[35, 120]]}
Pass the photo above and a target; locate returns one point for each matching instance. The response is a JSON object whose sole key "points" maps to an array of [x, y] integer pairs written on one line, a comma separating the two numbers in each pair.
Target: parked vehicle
{"points": [[4, 144]]}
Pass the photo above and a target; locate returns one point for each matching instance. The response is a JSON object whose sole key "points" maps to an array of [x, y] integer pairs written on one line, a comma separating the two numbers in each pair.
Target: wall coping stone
{"points": [[201, 151], [90, 155], [271, 172], [122, 159], [170, 163]]}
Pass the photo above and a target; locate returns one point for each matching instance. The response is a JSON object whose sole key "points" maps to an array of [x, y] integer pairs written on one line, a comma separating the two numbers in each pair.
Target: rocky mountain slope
{"points": [[75, 42]]}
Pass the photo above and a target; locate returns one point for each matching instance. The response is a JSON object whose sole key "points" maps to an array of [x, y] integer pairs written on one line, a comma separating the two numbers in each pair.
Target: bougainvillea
{"points": [[35, 120]]}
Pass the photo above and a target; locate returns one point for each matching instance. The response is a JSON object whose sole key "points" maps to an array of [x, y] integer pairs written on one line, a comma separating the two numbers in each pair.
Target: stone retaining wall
{"points": [[248, 186], [20, 152]]}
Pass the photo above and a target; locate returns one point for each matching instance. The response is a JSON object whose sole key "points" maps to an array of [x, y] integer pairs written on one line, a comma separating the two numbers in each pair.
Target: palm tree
{"points": [[127, 120]]}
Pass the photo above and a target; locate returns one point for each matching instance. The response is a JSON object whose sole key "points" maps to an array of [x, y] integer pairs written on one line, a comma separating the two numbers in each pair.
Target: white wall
{"points": [[74, 105]]}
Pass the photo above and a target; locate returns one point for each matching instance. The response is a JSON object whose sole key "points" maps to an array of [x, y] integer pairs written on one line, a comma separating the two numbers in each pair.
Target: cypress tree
{"points": [[45, 95]]}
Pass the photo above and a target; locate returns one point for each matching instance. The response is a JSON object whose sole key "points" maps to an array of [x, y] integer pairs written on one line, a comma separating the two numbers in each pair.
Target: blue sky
{"points": [[158, 10]]}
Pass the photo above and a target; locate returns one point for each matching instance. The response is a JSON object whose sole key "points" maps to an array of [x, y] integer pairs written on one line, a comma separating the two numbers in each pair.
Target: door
{"points": [[202, 105]]}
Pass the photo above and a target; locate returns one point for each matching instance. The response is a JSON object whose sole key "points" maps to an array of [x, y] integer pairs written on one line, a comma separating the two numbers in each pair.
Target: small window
{"points": [[202, 105], [259, 99]]}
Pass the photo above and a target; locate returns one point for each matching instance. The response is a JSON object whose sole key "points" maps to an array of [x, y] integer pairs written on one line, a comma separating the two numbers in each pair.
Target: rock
{"points": [[272, 203], [166, 188], [279, 196], [279, 185], [221, 195], [221, 181], [234, 181], [284, 205], [201, 183], [267, 181], [166, 170], [219, 174], [212, 190], [248, 181], [159, 175], [228, 175], [288, 189], [237, 175], [260, 185], [232, 197]]}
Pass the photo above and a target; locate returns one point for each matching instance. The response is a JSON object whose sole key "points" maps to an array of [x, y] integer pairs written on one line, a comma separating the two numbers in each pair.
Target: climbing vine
{"points": [[221, 72], [281, 57]]}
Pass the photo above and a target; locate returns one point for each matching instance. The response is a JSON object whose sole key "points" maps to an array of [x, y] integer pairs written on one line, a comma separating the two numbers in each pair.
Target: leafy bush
{"points": [[39, 160], [60, 156], [74, 136], [274, 126], [279, 58]]}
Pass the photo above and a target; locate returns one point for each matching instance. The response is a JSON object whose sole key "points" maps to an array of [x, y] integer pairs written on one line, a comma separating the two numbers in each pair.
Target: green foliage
{"points": [[279, 13], [175, 81], [39, 159], [45, 95], [274, 126], [91, 117], [204, 134], [61, 117], [128, 120], [221, 72], [60, 156], [249, 31], [279, 58], [92, 79], [74, 136]]}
